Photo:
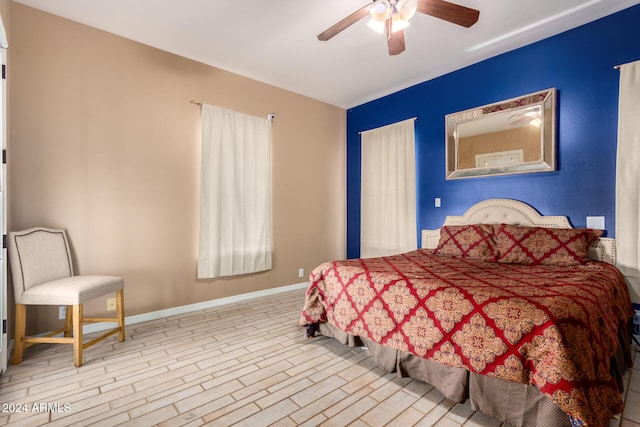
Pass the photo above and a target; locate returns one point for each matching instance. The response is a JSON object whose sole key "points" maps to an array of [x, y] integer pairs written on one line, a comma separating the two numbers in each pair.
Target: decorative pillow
{"points": [[544, 246], [470, 241]]}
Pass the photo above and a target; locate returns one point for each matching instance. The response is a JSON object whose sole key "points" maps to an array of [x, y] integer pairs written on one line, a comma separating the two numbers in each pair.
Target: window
{"points": [[235, 205], [388, 214]]}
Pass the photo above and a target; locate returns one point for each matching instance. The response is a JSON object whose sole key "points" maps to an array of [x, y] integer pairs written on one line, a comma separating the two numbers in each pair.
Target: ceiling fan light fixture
{"points": [[397, 23], [406, 9], [377, 26], [380, 10]]}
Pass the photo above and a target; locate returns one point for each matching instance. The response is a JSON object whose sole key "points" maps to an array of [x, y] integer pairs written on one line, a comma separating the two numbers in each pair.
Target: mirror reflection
{"points": [[512, 136]]}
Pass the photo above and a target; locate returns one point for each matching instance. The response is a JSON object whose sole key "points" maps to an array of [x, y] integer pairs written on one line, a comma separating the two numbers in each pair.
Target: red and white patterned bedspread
{"points": [[552, 327]]}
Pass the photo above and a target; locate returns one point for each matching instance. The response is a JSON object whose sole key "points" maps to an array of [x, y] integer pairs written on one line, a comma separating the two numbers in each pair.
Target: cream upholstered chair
{"points": [[42, 274]]}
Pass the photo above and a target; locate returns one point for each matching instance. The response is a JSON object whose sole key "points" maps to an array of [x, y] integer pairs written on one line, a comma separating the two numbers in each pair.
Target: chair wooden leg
{"points": [[68, 322], [77, 335], [21, 323], [120, 313]]}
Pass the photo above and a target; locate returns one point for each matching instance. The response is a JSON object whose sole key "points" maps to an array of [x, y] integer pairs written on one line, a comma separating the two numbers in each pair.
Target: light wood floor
{"points": [[244, 364]]}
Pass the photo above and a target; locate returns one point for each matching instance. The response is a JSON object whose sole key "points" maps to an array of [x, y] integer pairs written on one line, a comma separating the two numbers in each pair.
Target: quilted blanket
{"points": [[552, 327]]}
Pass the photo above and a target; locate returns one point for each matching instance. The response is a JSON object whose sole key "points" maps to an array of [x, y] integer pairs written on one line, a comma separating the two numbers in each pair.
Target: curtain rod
{"points": [[270, 116], [617, 67], [415, 119]]}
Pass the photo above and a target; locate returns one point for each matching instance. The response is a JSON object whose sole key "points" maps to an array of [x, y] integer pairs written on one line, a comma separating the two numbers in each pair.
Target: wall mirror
{"points": [[513, 136]]}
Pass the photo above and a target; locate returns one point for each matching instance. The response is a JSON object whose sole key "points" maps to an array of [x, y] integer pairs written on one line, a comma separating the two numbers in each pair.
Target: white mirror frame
{"points": [[488, 121]]}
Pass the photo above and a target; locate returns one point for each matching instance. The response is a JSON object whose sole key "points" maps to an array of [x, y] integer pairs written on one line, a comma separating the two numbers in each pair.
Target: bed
{"points": [[520, 313]]}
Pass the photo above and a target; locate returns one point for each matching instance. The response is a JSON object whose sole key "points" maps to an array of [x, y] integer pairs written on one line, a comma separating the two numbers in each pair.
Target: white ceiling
{"points": [[275, 41]]}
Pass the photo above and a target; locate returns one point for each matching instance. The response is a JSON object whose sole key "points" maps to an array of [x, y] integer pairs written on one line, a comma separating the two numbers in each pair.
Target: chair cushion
{"points": [[71, 290], [38, 255]]}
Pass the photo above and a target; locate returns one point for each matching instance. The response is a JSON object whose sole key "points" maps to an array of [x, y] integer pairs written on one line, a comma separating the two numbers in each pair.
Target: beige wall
{"points": [[104, 142], [4, 12]]}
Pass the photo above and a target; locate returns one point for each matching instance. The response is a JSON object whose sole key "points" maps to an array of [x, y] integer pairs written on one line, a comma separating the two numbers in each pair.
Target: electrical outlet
{"points": [[62, 312], [111, 304], [301, 272], [595, 222]]}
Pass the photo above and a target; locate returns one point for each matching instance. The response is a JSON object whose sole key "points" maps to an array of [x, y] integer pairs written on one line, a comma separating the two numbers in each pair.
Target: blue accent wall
{"points": [[578, 63]]}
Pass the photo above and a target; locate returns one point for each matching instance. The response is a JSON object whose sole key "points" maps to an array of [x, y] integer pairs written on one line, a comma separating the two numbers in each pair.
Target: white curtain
{"points": [[628, 172], [235, 209], [388, 206]]}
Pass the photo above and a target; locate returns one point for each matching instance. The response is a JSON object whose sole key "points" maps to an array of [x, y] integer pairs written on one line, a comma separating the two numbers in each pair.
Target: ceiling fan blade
{"points": [[451, 12], [344, 23], [395, 41]]}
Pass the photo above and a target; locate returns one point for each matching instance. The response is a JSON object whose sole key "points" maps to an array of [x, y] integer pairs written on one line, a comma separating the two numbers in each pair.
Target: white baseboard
{"points": [[159, 314]]}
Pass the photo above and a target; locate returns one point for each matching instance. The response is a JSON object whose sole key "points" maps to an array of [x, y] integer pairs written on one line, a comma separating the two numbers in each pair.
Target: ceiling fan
{"points": [[392, 16]]}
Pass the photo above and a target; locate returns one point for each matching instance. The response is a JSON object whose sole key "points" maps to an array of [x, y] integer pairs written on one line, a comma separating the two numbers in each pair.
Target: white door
{"points": [[3, 201]]}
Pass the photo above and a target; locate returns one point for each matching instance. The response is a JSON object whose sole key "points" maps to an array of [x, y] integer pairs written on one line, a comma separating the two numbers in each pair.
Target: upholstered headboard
{"points": [[508, 211]]}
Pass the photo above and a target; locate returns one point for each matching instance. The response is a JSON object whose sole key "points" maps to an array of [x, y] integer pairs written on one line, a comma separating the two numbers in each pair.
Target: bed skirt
{"points": [[518, 404]]}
